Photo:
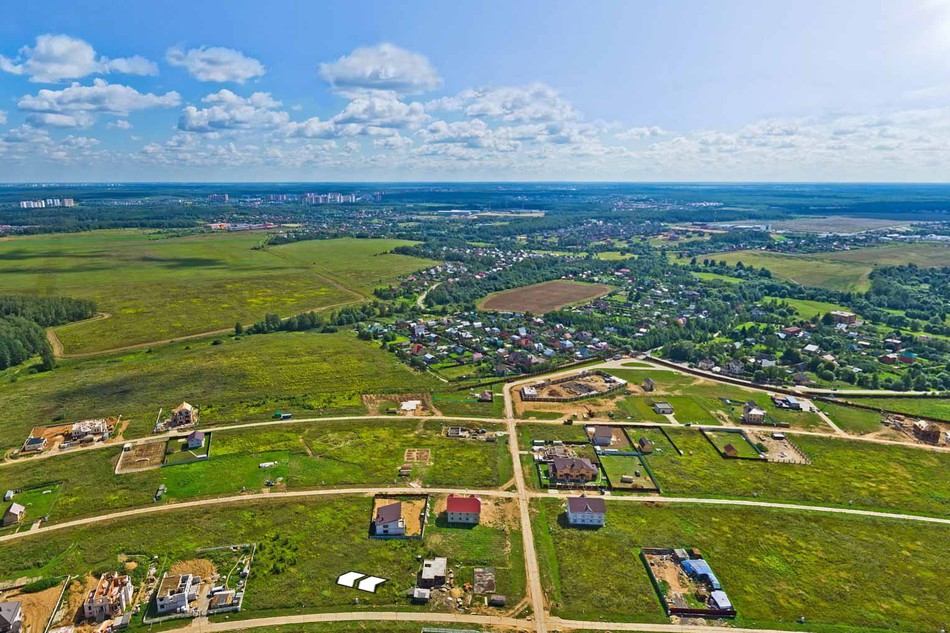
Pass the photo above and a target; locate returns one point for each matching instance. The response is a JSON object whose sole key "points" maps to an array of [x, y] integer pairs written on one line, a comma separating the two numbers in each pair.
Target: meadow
{"points": [[936, 408], [291, 574], [155, 287], [843, 472], [843, 270], [851, 419], [807, 270], [245, 378], [842, 573], [312, 455]]}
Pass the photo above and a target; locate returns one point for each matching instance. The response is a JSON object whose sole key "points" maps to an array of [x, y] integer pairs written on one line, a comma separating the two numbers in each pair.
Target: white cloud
{"points": [[637, 133], [57, 119], [120, 124], [395, 142], [536, 102], [27, 134], [100, 97], [3, 117], [216, 63], [311, 128], [228, 111], [58, 57], [382, 111], [383, 67]]}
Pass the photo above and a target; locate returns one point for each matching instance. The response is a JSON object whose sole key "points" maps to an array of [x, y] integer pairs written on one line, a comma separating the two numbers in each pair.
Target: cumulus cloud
{"points": [[57, 119], [120, 124], [101, 96], [216, 63], [383, 67], [57, 57], [228, 111], [27, 134], [382, 111], [536, 102], [637, 133], [373, 114]]}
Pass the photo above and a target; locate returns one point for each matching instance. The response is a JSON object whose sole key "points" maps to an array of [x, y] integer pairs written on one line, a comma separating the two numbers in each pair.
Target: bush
{"points": [[41, 585]]}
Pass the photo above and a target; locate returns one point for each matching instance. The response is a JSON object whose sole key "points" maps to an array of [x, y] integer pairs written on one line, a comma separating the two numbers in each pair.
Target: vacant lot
{"points": [[842, 473], [809, 270], [844, 270], [243, 379], [290, 574], [936, 408], [776, 565], [545, 297], [310, 455], [155, 287], [851, 419]]}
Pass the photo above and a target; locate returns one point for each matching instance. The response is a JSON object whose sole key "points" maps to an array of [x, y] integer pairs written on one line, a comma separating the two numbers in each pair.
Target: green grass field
{"points": [[292, 574], [810, 309], [808, 270], [924, 255], [842, 573], [844, 270], [717, 277], [937, 408], [722, 439], [312, 455], [304, 373], [157, 288], [851, 419], [842, 473]]}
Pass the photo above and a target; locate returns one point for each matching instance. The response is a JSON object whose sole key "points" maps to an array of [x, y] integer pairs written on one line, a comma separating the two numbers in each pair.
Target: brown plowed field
{"points": [[545, 297]]}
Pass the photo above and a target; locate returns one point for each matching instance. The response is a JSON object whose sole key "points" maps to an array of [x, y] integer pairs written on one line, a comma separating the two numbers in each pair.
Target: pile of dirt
{"points": [[201, 567]]}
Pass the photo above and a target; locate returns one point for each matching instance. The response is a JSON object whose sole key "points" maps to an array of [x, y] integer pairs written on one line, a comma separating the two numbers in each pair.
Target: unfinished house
{"points": [[176, 592], [433, 572], [89, 429], [111, 597], [184, 415]]}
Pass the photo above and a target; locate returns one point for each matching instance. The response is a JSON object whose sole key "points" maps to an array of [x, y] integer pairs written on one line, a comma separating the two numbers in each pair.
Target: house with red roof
{"points": [[463, 510]]}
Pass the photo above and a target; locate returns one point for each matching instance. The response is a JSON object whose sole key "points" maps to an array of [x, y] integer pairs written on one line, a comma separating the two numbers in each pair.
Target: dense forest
{"points": [[23, 321]]}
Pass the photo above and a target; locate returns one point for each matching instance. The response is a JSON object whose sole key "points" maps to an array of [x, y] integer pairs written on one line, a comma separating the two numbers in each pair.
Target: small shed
{"points": [[663, 408]]}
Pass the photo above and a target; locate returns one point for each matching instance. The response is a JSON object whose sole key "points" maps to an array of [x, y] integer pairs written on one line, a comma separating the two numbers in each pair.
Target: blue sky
{"points": [[742, 90]]}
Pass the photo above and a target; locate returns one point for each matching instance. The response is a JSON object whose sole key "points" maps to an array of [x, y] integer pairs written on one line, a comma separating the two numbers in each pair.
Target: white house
{"points": [[175, 592], [389, 521], [463, 510], [586, 511]]}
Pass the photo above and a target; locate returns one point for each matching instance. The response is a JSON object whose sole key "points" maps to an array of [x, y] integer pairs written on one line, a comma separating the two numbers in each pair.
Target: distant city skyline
{"points": [[435, 91]]}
